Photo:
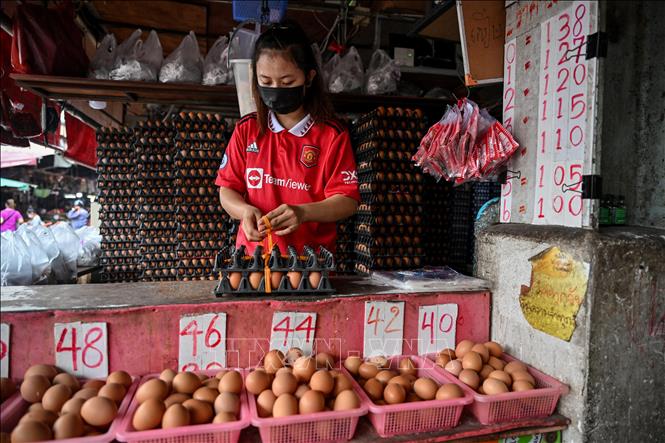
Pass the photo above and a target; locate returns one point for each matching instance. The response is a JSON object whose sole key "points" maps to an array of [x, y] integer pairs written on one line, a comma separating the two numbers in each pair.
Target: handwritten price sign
{"points": [[293, 329], [202, 342], [437, 326], [384, 328], [82, 349], [509, 88], [4, 350]]}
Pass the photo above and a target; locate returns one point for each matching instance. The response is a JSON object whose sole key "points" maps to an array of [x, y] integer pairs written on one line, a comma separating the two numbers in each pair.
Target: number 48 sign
{"points": [[81, 349]]}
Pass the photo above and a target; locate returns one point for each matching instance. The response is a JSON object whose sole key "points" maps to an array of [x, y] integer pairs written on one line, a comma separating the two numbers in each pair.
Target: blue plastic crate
{"points": [[251, 10]]}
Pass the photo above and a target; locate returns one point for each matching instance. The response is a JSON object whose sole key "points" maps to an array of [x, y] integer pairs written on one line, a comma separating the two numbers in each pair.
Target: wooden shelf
{"points": [[222, 98]]}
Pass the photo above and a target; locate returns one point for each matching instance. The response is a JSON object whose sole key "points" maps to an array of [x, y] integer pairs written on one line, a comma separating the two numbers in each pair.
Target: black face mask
{"points": [[283, 100]]}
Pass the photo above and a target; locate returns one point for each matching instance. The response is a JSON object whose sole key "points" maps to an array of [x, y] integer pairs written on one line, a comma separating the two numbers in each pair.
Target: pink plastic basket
{"points": [[14, 411], [208, 433], [320, 427], [540, 402], [421, 416]]}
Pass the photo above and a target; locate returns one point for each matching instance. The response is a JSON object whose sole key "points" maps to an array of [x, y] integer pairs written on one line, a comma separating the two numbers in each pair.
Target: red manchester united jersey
{"points": [[308, 163]]}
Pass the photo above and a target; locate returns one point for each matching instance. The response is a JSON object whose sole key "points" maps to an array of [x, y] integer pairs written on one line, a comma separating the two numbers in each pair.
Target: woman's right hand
{"points": [[250, 223]]}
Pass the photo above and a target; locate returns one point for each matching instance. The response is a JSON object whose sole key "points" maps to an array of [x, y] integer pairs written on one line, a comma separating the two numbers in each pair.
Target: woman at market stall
{"points": [[289, 167]]}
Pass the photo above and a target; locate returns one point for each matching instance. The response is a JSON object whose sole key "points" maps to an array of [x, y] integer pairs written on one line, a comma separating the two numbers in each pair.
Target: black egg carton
{"points": [[119, 277], [108, 200], [203, 227], [191, 246], [201, 154], [186, 215], [160, 256], [155, 200], [123, 260], [231, 260], [213, 136], [117, 253], [106, 231], [120, 207], [154, 248], [199, 258], [194, 180]]}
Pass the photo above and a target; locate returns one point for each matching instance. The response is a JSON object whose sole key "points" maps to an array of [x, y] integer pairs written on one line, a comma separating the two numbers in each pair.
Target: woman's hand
{"points": [[250, 219], [284, 219]]}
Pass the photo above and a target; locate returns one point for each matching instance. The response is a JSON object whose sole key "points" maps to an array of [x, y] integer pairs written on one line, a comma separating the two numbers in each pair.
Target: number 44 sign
{"points": [[293, 329], [202, 343], [82, 349], [437, 326]]}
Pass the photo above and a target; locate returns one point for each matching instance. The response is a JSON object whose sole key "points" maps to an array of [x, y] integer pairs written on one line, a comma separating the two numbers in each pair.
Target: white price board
{"points": [[293, 329], [384, 328], [4, 349], [437, 326], [202, 342], [82, 349]]}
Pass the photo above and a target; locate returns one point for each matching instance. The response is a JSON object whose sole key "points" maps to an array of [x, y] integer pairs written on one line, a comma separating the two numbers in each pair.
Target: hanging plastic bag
{"points": [[185, 64], [329, 68], [215, 66], [41, 264], [90, 246], [50, 247], [382, 74], [348, 75], [15, 265], [138, 60], [104, 59], [68, 243]]}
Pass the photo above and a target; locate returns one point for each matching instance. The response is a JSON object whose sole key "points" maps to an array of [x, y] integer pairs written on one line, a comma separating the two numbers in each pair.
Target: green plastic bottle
{"points": [[619, 217]]}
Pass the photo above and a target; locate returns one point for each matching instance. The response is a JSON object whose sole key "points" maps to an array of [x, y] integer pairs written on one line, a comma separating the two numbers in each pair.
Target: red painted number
{"points": [[395, 311], [509, 95], [429, 325], [284, 326], [91, 337], [3, 350], [580, 11], [211, 331], [306, 325], [192, 329], [565, 18], [540, 208], [442, 320], [375, 321], [577, 101], [564, 82], [60, 347]]}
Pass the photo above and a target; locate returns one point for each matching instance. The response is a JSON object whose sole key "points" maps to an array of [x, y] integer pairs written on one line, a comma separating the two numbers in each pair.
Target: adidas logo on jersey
{"points": [[253, 147]]}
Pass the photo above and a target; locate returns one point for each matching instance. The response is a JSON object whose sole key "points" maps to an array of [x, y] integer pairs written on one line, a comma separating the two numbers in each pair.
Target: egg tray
{"points": [[115, 237], [113, 199], [107, 230], [122, 260], [118, 193], [156, 200], [134, 268], [388, 220], [202, 227], [114, 254], [119, 244], [211, 153], [231, 260], [207, 261], [183, 236], [122, 207], [382, 198], [192, 216], [119, 277]]}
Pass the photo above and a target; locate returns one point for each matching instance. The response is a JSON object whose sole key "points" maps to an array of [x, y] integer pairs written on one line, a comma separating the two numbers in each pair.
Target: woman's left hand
{"points": [[284, 219]]}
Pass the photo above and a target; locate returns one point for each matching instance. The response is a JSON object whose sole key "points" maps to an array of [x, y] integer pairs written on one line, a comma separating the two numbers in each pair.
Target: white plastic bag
{"points": [[68, 243], [382, 74], [215, 66], [185, 64], [104, 59], [90, 246], [348, 74], [138, 60], [15, 266], [328, 69], [41, 264]]}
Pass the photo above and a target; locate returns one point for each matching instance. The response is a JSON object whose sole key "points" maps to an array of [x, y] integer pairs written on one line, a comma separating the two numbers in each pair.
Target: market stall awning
{"points": [[9, 183], [19, 156]]}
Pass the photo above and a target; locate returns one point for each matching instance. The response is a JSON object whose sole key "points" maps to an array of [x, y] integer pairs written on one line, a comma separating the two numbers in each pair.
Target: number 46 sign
{"points": [[202, 344]]}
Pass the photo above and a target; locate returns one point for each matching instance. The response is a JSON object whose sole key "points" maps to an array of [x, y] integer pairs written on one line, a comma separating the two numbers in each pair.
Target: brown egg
{"points": [[522, 385], [470, 378], [234, 279], [472, 360], [34, 387], [185, 383], [120, 377], [55, 397], [36, 407], [68, 380], [463, 347], [221, 374], [94, 384], [167, 375], [442, 360], [114, 391], [30, 431], [394, 393], [501, 376], [153, 388], [255, 279], [374, 389], [86, 393], [265, 402], [406, 366], [324, 360], [481, 350], [448, 391], [454, 367], [284, 370], [212, 383], [450, 353], [312, 401], [346, 400], [304, 368], [293, 354], [199, 411], [301, 391], [175, 416], [322, 381], [402, 380], [284, 383], [519, 376], [368, 370], [294, 278], [206, 394], [68, 426], [148, 415], [485, 372], [314, 279], [176, 398], [495, 349], [275, 279], [496, 363], [273, 360], [342, 383], [514, 366], [425, 388], [285, 405], [385, 375], [352, 364], [72, 406], [99, 411], [44, 416], [47, 371], [231, 382], [224, 417], [227, 402], [492, 386]]}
